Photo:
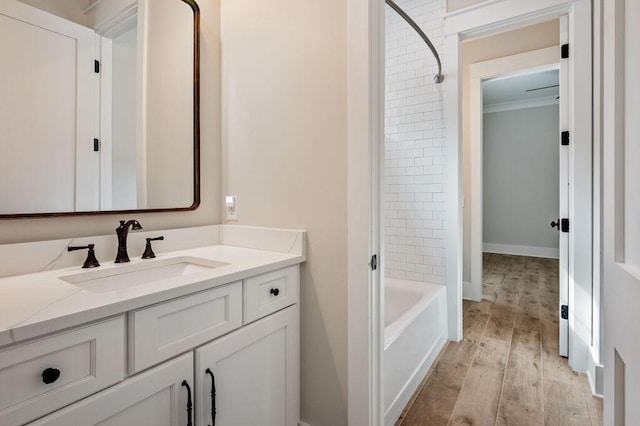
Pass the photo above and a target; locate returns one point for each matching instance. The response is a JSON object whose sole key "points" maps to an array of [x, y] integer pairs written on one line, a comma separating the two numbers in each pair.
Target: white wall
{"points": [[72, 10], [520, 182], [22, 230], [415, 134], [124, 158], [545, 34], [168, 138], [461, 4], [284, 64]]}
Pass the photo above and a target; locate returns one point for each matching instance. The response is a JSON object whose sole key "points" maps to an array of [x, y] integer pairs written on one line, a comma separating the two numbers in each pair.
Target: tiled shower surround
{"points": [[415, 146]]}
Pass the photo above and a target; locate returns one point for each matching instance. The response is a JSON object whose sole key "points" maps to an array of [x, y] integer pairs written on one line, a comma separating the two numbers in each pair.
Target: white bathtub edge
{"points": [[401, 401], [430, 294]]}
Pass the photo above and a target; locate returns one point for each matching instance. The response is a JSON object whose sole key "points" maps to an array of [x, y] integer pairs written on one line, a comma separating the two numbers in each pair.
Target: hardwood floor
{"points": [[506, 370]]}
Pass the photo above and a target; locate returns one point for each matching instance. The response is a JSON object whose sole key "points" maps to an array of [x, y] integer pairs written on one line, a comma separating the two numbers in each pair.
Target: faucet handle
{"points": [[91, 261], [148, 251]]}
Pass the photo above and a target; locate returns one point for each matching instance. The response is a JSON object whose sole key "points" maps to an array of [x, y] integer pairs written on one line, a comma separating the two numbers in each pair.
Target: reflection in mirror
{"points": [[99, 106]]}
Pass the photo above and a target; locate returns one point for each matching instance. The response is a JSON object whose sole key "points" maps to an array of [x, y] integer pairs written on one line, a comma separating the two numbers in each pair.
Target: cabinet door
{"points": [[157, 397], [256, 374]]}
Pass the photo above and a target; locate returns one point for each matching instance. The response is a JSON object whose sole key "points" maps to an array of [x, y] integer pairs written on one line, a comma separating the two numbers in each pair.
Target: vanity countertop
{"points": [[39, 303]]}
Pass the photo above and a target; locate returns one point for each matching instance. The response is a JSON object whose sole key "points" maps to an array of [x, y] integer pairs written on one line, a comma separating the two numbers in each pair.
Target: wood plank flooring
{"points": [[506, 370]]}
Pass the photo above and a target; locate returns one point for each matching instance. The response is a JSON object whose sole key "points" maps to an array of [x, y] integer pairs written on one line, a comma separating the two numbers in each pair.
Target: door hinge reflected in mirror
{"points": [[374, 262], [96, 66], [96, 144], [564, 312]]}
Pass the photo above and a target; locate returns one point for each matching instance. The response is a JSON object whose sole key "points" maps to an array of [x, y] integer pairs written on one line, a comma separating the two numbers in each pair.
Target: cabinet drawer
{"points": [[154, 398], [167, 329], [75, 364], [270, 292]]}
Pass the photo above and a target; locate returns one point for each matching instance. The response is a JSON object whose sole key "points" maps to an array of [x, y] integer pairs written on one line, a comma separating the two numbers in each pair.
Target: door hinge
{"points": [[565, 138], [96, 144], [564, 51], [564, 227], [564, 312], [374, 262], [96, 66]]}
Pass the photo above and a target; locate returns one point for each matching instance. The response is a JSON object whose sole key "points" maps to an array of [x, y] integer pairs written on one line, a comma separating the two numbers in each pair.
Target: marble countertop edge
{"points": [[66, 306]]}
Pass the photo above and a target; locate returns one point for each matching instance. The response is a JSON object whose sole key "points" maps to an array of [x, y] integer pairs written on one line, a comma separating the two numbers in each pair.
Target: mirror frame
{"points": [[196, 143]]}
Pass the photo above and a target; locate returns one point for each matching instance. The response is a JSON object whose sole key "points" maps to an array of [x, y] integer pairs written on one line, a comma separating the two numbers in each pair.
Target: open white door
{"points": [[621, 213], [47, 108], [563, 221]]}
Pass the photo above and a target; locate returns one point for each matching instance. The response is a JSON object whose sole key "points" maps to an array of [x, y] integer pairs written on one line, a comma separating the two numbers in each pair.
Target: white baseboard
{"points": [[595, 373], [471, 292], [548, 252], [301, 423]]}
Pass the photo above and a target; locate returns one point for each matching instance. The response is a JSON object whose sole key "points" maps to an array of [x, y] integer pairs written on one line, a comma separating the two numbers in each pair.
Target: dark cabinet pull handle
{"points": [[275, 291], [213, 397], [50, 375], [189, 403]]}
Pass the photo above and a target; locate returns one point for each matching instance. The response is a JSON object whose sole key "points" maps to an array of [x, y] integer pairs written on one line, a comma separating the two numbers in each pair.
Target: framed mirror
{"points": [[99, 107]]}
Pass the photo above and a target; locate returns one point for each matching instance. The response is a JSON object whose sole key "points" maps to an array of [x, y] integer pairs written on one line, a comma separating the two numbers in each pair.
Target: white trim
{"points": [[595, 373], [454, 194], [365, 139], [531, 251], [521, 104], [522, 63], [563, 191], [470, 292], [488, 17], [301, 423], [470, 9], [598, 183], [141, 105], [476, 124], [105, 122], [581, 176]]}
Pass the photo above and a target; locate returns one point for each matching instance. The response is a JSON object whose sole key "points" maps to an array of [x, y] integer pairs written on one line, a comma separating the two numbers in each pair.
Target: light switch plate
{"points": [[231, 207]]}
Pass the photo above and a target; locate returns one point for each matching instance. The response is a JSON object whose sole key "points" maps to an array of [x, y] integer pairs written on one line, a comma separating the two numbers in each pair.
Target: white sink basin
{"points": [[123, 277]]}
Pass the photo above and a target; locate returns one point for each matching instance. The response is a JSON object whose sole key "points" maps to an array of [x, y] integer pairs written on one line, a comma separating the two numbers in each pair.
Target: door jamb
{"points": [[365, 145], [523, 63], [501, 16]]}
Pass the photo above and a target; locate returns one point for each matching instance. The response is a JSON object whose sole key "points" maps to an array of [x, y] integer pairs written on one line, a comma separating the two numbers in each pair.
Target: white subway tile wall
{"points": [[415, 146]]}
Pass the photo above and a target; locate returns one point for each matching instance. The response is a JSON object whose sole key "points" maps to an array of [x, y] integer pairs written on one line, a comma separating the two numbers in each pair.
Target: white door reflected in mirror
{"points": [[97, 100]]}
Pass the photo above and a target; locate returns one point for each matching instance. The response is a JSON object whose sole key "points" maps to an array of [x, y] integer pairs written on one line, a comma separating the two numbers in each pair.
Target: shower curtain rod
{"points": [[438, 78]]}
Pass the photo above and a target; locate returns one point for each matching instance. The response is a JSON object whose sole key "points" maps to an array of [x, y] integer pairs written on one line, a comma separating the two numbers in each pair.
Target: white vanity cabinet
{"points": [[255, 373], [157, 397], [45, 374], [161, 331], [244, 335]]}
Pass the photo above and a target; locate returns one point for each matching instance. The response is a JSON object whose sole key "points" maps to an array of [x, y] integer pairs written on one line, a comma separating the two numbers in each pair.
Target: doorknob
{"points": [[556, 224]]}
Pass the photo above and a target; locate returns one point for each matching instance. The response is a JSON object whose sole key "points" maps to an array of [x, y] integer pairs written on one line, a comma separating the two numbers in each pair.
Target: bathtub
{"points": [[414, 334]]}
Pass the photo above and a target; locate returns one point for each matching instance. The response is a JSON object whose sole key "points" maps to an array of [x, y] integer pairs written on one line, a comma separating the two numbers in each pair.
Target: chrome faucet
{"points": [[122, 231]]}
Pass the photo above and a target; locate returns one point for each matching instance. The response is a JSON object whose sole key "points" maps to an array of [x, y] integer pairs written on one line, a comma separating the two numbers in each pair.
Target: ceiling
{"points": [[513, 89]]}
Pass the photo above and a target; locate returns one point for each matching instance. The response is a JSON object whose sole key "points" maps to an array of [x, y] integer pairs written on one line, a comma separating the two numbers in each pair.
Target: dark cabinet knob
{"points": [[275, 291], [50, 375]]}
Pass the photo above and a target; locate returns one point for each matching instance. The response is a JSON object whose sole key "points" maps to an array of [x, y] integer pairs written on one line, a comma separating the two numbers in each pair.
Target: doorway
{"points": [[518, 169]]}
